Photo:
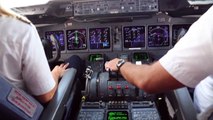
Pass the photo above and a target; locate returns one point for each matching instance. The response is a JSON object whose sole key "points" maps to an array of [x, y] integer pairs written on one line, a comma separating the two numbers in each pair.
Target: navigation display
{"points": [[178, 31], [99, 38], [158, 35], [134, 36], [59, 35], [76, 39]]}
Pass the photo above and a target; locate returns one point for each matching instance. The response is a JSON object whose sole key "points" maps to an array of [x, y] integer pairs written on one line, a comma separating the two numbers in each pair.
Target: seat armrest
{"points": [[185, 104], [55, 109], [182, 104]]}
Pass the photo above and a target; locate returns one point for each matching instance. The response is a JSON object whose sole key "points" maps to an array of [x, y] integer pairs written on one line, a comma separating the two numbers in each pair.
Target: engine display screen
{"points": [[117, 115], [179, 31], [134, 36], [95, 57], [59, 35], [99, 38], [76, 39], [158, 36], [140, 56]]}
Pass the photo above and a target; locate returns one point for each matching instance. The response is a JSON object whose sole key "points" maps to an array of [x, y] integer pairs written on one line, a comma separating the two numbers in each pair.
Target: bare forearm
{"points": [[56, 76], [151, 78], [45, 98], [48, 96], [57, 73], [135, 74]]}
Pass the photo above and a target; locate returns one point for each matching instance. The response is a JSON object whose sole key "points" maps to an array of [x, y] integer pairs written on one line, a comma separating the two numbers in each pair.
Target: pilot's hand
{"points": [[111, 65], [59, 70]]}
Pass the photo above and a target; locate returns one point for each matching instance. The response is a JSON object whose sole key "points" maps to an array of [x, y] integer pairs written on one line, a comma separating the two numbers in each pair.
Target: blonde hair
{"points": [[9, 13]]}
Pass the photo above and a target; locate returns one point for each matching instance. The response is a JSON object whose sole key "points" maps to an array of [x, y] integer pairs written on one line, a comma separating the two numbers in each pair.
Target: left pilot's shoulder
{"points": [[23, 19]]}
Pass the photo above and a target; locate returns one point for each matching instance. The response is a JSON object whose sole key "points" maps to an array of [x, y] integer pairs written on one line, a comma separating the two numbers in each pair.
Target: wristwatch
{"points": [[120, 63]]}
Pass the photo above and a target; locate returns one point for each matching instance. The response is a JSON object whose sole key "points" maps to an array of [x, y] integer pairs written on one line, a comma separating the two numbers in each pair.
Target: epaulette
{"points": [[23, 19]]}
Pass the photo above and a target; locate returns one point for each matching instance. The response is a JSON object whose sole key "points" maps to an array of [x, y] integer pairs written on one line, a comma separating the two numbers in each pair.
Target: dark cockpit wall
{"points": [[77, 20]]}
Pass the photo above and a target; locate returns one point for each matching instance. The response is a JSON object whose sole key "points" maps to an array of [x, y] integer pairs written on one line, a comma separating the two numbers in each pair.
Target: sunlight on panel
{"points": [[22, 3]]}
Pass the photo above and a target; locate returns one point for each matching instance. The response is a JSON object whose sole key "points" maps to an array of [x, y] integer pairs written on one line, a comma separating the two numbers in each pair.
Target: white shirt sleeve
{"points": [[36, 72], [203, 94], [190, 61]]}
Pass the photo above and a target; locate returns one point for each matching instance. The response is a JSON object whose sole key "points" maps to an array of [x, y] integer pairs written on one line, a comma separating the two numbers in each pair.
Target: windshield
{"points": [[200, 2], [22, 3]]}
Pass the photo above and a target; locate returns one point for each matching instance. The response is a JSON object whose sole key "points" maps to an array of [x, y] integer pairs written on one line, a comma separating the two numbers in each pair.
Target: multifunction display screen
{"points": [[134, 36], [140, 56], [59, 35], [158, 35], [117, 115], [76, 39], [99, 38], [95, 57], [178, 31]]}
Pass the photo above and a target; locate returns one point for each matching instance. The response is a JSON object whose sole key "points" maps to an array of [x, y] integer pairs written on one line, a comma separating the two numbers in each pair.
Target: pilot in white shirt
{"points": [[189, 63], [23, 62]]}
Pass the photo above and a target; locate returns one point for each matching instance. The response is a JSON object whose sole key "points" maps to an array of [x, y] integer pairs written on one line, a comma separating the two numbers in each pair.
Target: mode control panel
{"points": [[114, 7]]}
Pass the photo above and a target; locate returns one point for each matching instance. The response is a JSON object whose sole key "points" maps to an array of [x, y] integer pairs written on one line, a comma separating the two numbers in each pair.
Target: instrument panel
{"points": [[178, 31], [158, 36], [59, 35], [132, 30], [132, 37], [99, 38], [76, 39], [107, 95]]}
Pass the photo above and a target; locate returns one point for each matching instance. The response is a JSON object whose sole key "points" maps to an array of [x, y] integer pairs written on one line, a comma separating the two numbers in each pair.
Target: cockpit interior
{"points": [[139, 31]]}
